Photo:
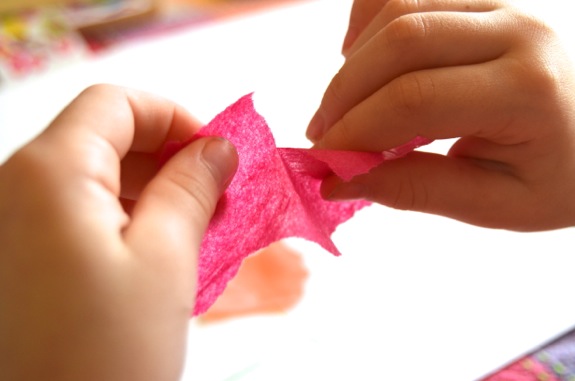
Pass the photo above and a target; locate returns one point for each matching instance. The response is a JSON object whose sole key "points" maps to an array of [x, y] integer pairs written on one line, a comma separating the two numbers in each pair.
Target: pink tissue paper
{"points": [[275, 194]]}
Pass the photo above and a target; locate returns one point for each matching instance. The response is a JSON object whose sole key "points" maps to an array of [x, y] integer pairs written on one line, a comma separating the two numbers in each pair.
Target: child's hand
{"points": [[88, 289], [478, 70]]}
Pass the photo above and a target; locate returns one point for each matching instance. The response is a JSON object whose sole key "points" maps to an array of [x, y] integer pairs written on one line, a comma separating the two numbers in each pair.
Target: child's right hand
{"points": [[477, 70]]}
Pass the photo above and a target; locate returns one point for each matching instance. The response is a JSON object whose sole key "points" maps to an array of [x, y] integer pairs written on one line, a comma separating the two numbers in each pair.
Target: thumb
{"points": [[175, 208], [458, 188]]}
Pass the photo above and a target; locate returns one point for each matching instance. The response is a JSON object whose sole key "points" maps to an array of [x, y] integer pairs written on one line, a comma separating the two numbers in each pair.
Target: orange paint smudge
{"points": [[269, 281]]}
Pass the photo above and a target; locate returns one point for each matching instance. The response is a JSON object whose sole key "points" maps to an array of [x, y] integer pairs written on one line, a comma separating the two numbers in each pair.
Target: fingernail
{"points": [[348, 191], [349, 39], [316, 127], [221, 158]]}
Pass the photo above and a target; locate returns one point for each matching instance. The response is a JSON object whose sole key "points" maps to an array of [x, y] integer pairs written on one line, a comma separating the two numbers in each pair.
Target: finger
{"points": [[150, 120], [362, 12], [104, 122], [128, 205], [451, 187], [177, 205], [137, 170], [421, 41], [380, 18], [479, 100]]}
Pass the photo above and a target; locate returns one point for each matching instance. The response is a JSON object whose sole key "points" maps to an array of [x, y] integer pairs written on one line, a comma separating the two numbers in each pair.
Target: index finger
{"points": [[105, 122], [414, 43], [368, 17], [128, 119]]}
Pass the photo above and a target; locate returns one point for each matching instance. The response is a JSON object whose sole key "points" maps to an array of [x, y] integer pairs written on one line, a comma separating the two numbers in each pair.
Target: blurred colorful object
{"points": [[34, 40], [554, 362], [84, 14], [36, 35], [269, 281]]}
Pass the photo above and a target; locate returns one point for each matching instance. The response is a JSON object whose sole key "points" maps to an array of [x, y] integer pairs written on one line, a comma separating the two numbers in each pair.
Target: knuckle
{"points": [[190, 187], [335, 91], [406, 32], [533, 29], [411, 94], [397, 8], [543, 72], [99, 89], [345, 132], [532, 34], [545, 80], [333, 104], [102, 91], [411, 194]]}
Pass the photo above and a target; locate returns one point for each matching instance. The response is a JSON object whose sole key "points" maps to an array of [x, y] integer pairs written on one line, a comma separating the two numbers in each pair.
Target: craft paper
{"points": [[275, 194]]}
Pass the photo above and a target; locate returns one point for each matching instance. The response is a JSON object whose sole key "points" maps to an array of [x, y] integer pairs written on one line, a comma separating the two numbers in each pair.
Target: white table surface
{"points": [[413, 297]]}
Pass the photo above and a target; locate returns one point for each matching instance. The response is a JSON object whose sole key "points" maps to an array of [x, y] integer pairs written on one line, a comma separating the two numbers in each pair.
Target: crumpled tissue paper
{"points": [[275, 194]]}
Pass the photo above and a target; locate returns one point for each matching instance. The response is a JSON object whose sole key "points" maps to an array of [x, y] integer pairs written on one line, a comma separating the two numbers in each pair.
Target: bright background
{"points": [[413, 297]]}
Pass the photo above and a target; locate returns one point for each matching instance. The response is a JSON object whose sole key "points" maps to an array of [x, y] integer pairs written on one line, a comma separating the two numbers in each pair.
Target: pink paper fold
{"points": [[274, 195]]}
